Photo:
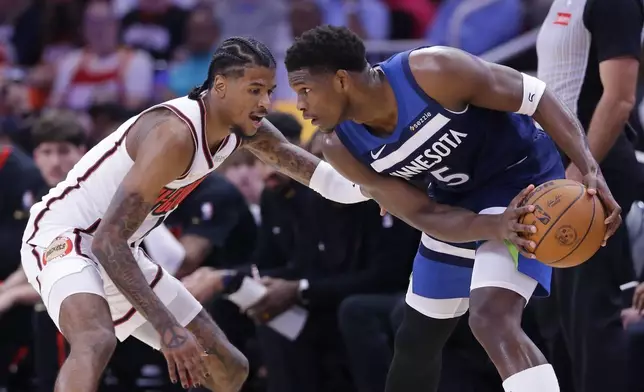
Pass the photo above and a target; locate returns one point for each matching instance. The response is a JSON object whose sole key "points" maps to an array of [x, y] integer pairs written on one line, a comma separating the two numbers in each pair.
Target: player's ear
{"points": [[341, 80], [219, 86]]}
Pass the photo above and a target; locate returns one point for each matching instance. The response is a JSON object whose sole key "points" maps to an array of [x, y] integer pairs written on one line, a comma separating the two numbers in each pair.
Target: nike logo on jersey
{"points": [[531, 97], [377, 154], [169, 199]]}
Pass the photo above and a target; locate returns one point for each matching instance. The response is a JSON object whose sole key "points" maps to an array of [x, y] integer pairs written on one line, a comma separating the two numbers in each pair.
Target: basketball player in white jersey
{"points": [[81, 247]]}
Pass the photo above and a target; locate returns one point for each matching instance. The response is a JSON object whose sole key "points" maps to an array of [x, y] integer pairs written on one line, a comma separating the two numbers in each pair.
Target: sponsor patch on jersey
{"points": [[60, 247]]}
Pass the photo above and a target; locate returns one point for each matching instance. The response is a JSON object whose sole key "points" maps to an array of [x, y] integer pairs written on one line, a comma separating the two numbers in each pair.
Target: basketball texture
{"points": [[570, 223]]}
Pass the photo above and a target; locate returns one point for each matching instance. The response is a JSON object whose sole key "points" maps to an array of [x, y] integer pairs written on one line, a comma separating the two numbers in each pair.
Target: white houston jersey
{"points": [[81, 200]]}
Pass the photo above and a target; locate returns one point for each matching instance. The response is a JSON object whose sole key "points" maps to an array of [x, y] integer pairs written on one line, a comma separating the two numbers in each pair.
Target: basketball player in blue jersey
{"points": [[441, 116]]}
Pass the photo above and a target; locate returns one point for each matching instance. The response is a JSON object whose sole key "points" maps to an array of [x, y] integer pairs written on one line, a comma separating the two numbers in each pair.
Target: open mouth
{"points": [[257, 119], [314, 120]]}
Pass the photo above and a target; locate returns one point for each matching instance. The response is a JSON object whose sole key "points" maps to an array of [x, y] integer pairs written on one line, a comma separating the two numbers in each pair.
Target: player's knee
{"points": [[236, 367], [491, 319], [99, 342]]}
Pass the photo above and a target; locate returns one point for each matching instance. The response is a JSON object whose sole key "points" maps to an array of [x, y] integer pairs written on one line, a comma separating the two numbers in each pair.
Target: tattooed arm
{"points": [[161, 147], [271, 146]]}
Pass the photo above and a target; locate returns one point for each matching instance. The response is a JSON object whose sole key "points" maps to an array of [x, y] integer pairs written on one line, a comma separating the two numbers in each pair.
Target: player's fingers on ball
{"points": [[523, 246], [518, 199], [525, 252], [520, 211], [521, 228]]}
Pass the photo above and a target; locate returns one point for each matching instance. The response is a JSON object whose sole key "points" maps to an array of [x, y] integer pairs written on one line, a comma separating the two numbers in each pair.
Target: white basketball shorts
{"points": [[68, 266]]}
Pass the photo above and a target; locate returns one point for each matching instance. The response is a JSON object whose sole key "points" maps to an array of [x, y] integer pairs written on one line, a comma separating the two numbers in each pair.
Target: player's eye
{"points": [[255, 91]]}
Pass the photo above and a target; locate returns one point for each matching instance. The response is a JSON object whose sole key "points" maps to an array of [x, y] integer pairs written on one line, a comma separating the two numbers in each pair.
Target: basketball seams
{"points": [[590, 226], [583, 190]]}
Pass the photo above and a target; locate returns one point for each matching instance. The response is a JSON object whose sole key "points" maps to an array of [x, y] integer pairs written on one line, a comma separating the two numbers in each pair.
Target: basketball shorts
{"points": [[444, 273], [68, 266]]}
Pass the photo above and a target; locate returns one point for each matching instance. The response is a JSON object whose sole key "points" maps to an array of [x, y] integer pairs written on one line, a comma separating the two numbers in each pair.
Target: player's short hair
{"points": [[58, 126], [286, 123], [230, 59], [327, 48]]}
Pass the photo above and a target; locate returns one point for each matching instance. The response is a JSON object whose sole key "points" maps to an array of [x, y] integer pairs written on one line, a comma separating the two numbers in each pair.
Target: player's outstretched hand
{"points": [[596, 185], [510, 229], [184, 355]]}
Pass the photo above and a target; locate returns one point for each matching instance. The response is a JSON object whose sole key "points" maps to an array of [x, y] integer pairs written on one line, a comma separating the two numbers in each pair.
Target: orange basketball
{"points": [[570, 223]]}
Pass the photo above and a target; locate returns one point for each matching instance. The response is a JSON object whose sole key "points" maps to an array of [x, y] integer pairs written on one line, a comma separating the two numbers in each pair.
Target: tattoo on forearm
{"points": [[173, 337], [271, 147], [111, 248]]}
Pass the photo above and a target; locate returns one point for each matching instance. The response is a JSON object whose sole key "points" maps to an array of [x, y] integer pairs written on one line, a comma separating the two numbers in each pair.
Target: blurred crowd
{"points": [[71, 71]]}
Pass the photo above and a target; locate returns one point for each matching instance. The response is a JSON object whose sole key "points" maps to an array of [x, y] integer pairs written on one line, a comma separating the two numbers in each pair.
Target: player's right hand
{"points": [[185, 356], [510, 229]]}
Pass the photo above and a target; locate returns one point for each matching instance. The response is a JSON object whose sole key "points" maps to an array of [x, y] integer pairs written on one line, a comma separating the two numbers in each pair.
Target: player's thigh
{"points": [[440, 281], [71, 287], [77, 305], [184, 307], [495, 267]]}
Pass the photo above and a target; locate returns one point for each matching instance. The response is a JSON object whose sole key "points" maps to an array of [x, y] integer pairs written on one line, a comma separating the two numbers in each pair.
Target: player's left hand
{"points": [[596, 185], [280, 295]]}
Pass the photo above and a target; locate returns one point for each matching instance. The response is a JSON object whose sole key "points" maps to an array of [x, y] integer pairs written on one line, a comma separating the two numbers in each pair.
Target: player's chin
{"points": [[326, 128], [244, 131]]}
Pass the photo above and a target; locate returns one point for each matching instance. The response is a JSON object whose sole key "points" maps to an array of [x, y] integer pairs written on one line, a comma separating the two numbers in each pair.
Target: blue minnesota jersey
{"points": [[478, 159], [454, 151]]}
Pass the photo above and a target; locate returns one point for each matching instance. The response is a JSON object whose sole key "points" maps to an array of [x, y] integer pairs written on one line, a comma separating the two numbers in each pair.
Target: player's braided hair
{"points": [[328, 49], [230, 59]]}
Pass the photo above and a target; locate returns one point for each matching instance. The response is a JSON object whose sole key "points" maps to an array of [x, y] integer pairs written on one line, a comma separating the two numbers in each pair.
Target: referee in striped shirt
{"points": [[588, 53]]}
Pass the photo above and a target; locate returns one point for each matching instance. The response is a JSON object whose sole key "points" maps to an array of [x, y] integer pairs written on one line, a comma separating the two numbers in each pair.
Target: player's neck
{"points": [[374, 104], [217, 125]]}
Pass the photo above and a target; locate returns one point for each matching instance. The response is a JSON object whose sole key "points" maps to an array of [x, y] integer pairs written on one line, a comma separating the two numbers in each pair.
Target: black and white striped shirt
{"points": [[576, 37]]}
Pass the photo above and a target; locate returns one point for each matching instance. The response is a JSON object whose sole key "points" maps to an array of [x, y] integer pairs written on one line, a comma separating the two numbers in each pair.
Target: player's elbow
{"points": [[103, 245]]}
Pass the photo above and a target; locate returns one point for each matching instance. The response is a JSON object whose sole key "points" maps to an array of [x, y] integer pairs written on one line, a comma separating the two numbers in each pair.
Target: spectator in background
{"points": [[475, 26], [246, 172], [369, 19], [21, 32], [105, 119], [265, 20], [589, 54], [192, 59], [339, 250], [274, 243], [59, 142], [215, 227], [410, 18], [156, 26], [368, 331], [21, 182], [61, 36], [276, 239], [102, 71]]}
